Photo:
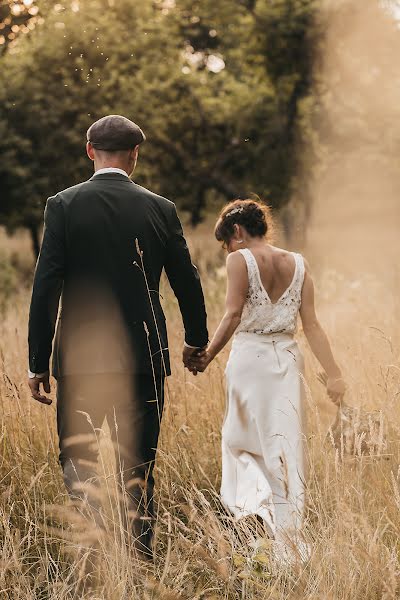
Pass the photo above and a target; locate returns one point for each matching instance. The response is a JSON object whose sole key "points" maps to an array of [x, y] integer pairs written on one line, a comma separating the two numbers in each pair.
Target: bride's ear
{"points": [[236, 228]]}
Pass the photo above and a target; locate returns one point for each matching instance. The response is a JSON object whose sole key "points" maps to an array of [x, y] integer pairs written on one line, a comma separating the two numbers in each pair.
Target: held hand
{"points": [[336, 389], [34, 385], [189, 354], [200, 362]]}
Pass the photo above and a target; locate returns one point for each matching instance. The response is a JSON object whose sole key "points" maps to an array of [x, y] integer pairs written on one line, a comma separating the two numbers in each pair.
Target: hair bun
{"points": [[253, 215]]}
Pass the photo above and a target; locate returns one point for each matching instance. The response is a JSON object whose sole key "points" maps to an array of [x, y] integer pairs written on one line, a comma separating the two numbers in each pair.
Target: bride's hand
{"points": [[198, 364], [336, 389]]}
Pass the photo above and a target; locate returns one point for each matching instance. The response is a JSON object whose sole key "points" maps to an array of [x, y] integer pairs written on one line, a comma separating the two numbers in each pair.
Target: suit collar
{"points": [[111, 170], [110, 176]]}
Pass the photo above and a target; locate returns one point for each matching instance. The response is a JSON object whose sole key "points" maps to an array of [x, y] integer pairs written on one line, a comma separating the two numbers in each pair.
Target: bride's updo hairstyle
{"points": [[253, 215]]}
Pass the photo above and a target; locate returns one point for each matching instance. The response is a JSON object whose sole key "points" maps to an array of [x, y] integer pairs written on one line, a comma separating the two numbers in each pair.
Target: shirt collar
{"points": [[111, 170]]}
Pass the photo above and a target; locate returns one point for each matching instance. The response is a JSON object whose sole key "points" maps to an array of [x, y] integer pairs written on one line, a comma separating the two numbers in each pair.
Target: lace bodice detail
{"points": [[262, 316]]}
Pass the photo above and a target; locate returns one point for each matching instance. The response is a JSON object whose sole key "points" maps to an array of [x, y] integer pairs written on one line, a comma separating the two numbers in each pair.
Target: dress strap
{"points": [[252, 268], [300, 268]]}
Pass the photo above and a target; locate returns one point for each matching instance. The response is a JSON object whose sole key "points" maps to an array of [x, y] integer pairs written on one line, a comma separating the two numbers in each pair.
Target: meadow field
{"points": [[353, 509], [352, 519]]}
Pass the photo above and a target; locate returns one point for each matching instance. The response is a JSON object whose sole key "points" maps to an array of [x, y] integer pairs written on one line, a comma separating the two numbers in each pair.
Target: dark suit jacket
{"points": [[105, 244]]}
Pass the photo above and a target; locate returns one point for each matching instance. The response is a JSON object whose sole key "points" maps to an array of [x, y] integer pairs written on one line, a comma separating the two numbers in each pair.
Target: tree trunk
{"points": [[34, 233], [198, 206]]}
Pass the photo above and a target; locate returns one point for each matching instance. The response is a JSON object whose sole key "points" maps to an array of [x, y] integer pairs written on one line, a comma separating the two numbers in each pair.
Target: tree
{"points": [[221, 104], [268, 48], [53, 84]]}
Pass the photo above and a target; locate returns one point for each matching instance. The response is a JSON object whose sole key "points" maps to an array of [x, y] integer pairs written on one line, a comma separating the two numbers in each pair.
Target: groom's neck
{"points": [[98, 167], [110, 164], [113, 160]]}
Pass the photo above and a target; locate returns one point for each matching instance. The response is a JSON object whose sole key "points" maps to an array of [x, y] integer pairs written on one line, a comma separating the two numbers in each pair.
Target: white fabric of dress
{"points": [[262, 433]]}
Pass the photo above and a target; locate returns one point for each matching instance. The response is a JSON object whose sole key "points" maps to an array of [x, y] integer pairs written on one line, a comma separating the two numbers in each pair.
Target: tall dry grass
{"points": [[353, 503], [352, 519]]}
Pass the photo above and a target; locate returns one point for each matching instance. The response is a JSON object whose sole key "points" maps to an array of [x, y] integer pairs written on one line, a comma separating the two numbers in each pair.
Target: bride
{"points": [[262, 433]]}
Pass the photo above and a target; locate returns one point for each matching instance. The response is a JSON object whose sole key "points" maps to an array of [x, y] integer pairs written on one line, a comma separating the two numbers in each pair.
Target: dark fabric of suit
{"points": [[133, 405], [90, 253], [106, 242]]}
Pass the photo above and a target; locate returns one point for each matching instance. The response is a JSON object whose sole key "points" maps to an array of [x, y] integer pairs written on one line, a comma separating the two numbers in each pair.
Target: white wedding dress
{"points": [[262, 437]]}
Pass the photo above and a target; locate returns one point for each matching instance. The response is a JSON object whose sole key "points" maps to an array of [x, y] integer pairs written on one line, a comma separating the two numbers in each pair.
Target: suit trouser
{"points": [[133, 405]]}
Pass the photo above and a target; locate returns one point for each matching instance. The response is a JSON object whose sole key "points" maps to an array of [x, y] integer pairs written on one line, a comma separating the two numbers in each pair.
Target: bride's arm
{"points": [[237, 288], [318, 340]]}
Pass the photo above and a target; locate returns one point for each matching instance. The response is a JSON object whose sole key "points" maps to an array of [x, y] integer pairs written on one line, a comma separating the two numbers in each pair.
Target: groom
{"points": [[106, 242]]}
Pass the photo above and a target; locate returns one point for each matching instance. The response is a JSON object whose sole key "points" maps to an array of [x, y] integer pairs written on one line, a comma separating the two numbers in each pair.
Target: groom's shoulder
{"points": [[153, 197], [71, 191], [85, 187]]}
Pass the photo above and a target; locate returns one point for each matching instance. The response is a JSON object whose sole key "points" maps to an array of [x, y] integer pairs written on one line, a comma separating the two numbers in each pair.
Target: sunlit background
{"points": [[297, 101]]}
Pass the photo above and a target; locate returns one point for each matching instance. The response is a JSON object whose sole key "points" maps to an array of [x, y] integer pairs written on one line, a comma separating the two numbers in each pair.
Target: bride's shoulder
{"points": [[279, 251], [280, 255], [285, 256], [236, 263], [235, 258]]}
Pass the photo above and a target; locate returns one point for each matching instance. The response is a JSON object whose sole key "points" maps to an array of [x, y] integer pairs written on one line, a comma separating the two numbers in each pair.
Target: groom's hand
{"points": [[35, 384], [189, 354], [200, 362]]}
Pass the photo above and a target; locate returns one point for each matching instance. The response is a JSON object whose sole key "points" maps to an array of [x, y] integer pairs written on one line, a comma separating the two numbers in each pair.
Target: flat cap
{"points": [[114, 132]]}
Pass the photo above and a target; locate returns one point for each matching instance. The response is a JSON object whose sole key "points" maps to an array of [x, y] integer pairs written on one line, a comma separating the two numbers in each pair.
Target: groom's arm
{"points": [[185, 282], [47, 287]]}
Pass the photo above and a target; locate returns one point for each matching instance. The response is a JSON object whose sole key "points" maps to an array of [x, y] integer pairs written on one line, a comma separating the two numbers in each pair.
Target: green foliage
{"points": [[218, 92], [16, 17]]}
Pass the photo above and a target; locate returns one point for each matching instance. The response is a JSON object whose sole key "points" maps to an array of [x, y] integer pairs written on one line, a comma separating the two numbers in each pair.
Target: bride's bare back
{"points": [[277, 268]]}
